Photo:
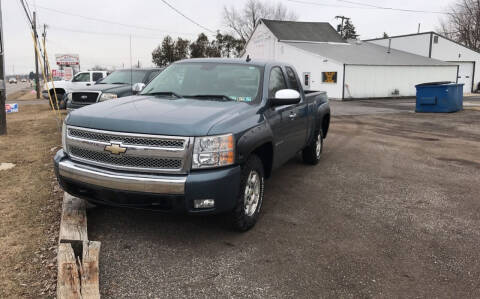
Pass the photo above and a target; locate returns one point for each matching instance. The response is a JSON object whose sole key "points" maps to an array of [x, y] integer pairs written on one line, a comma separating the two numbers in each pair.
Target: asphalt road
{"points": [[391, 210], [16, 87]]}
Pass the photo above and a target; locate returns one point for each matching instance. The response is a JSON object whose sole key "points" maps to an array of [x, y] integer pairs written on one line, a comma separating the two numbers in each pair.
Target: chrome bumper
{"points": [[174, 185]]}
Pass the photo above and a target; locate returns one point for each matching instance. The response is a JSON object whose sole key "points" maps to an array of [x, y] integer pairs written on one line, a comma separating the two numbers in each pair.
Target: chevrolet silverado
{"points": [[200, 138]]}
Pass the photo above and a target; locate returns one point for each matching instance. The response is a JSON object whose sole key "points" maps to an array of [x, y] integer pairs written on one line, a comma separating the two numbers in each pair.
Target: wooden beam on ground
{"points": [[90, 270], [68, 279], [73, 224]]}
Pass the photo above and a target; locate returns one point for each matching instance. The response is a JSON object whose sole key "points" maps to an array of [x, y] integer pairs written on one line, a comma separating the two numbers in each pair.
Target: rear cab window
{"points": [[292, 79]]}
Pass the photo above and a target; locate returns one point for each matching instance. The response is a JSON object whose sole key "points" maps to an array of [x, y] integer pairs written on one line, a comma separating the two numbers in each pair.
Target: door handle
{"points": [[88, 84], [292, 115]]}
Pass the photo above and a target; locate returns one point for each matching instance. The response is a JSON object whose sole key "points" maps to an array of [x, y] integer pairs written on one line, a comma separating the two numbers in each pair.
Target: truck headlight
{"points": [[107, 96], [213, 151], [69, 97], [64, 137]]}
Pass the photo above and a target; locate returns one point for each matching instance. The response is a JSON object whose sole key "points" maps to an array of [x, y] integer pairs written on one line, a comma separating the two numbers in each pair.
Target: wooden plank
{"points": [[73, 224], [68, 279], [90, 270]]}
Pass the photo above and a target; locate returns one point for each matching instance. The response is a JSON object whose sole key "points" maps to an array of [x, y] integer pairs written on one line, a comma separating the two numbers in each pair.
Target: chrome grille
{"points": [[139, 152], [170, 143], [85, 97], [127, 161]]}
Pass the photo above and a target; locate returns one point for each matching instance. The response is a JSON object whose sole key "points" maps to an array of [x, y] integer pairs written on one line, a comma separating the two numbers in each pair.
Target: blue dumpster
{"points": [[439, 97]]}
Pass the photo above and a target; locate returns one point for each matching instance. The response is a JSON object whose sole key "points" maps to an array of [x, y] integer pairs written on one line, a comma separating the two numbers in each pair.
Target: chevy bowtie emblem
{"points": [[115, 149], [84, 97]]}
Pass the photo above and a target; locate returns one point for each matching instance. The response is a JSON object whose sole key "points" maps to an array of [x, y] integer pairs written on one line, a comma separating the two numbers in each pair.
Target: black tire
{"points": [[60, 101], [243, 220], [311, 155]]}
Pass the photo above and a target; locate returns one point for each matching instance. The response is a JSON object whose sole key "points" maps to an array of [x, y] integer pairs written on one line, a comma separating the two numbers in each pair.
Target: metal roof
{"points": [[304, 31], [365, 53]]}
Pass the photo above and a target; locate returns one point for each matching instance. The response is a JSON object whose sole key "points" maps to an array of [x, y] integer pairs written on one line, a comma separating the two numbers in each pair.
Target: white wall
{"points": [[306, 62], [381, 81], [264, 45], [416, 44], [449, 51], [444, 50]]}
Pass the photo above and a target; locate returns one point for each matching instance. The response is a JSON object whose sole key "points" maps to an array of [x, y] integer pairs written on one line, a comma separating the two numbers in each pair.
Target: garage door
{"points": [[465, 75]]}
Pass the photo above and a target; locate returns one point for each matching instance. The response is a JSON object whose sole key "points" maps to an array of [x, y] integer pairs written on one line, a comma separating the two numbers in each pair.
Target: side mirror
{"points": [[286, 97], [137, 87]]}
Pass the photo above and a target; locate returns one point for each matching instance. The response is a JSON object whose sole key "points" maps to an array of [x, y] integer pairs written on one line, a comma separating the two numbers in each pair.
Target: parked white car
{"points": [[80, 80], [12, 80]]}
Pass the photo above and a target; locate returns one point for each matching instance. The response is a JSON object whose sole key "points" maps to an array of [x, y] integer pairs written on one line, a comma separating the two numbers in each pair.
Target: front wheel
{"points": [[250, 198], [312, 153]]}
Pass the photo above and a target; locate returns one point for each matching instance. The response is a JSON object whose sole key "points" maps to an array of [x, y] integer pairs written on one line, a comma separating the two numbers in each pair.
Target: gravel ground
{"points": [[391, 210]]}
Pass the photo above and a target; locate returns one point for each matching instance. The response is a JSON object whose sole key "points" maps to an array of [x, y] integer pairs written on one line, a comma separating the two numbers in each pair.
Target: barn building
{"points": [[436, 46], [344, 69]]}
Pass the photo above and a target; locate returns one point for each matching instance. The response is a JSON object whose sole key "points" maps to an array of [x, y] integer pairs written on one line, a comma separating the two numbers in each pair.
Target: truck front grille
{"points": [[139, 152], [85, 97], [170, 143], [126, 161]]}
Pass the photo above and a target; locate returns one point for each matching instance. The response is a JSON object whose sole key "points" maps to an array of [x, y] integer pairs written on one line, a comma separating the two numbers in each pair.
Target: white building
{"points": [[344, 69], [434, 45]]}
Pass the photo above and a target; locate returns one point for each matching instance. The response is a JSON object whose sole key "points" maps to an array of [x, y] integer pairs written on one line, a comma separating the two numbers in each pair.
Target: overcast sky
{"points": [[108, 45]]}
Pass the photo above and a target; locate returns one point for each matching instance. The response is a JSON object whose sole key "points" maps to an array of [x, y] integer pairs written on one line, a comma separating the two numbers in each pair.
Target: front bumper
{"points": [[170, 193]]}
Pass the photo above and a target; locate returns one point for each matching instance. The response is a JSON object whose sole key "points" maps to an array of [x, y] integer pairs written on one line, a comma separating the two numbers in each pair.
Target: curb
{"points": [[77, 258]]}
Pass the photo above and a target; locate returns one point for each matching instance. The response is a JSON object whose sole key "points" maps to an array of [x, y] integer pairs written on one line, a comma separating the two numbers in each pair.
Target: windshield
{"points": [[125, 77], [208, 80]]}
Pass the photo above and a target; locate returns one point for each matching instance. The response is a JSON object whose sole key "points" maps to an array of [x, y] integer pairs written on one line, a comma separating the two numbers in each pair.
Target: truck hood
{"points": [[158, 115], [113, 88], [59, 84]]}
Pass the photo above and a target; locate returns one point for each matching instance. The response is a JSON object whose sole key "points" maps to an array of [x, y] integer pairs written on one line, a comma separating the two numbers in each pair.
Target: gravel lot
{"points": [[392, 210]]}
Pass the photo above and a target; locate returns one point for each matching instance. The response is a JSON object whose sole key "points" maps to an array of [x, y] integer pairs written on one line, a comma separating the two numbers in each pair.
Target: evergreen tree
{"points": [[348, 31]]}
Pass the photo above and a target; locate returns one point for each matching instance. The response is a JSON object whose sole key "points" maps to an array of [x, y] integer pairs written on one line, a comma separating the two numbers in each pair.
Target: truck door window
{"points": [[82, 77], [97, 76], [277, 82], [152, 75], [292, 79]]}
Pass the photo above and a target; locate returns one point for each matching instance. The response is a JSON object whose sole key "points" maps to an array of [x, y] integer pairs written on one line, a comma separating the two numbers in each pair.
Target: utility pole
{"points": [[3, 91], [44, 36], [341, 26], [34, 27]]}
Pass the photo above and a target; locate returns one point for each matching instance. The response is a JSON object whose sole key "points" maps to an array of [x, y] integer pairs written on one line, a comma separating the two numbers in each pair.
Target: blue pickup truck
{"points": [[201, 138]]}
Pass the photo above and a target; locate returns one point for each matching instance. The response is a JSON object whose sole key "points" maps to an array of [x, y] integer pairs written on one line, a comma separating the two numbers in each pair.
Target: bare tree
{"points": [[243, 22], [463, 23]]}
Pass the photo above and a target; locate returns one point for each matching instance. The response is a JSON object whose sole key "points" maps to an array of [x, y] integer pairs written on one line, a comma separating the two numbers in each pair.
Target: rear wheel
{"points": [[250, 198], [313, 152]]}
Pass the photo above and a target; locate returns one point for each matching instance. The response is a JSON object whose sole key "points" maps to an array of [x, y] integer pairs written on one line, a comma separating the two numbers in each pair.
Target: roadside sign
{"points": [[67, 59], [9, 108], [58, 73], [68, 73]]}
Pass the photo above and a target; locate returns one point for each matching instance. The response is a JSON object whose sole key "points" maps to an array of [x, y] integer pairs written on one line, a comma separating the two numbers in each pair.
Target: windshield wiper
{"points": [[161, 93], [120, 83], [211, 96]]}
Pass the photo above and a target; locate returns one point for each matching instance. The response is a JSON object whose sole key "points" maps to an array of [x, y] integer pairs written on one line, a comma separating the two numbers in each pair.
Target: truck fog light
{"points": [[203, 203]]}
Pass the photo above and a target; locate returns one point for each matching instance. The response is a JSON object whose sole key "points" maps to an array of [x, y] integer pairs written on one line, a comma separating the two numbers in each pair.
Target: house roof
{"points": [[365, 53], [304, 31]]}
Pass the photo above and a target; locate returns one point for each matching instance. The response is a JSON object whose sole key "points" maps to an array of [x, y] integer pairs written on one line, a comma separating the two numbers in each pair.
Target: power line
{"points": [[325, 4], [391, 8], [365, 6], [180, 13], [108, 21], [56, 28]]}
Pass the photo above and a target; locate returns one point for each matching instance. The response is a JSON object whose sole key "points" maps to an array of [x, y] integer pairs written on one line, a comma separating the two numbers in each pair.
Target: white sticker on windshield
{"points": [[244, 99]]}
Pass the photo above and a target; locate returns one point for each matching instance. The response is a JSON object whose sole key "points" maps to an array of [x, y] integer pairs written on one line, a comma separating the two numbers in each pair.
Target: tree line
{"points": [[170, 50]]}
